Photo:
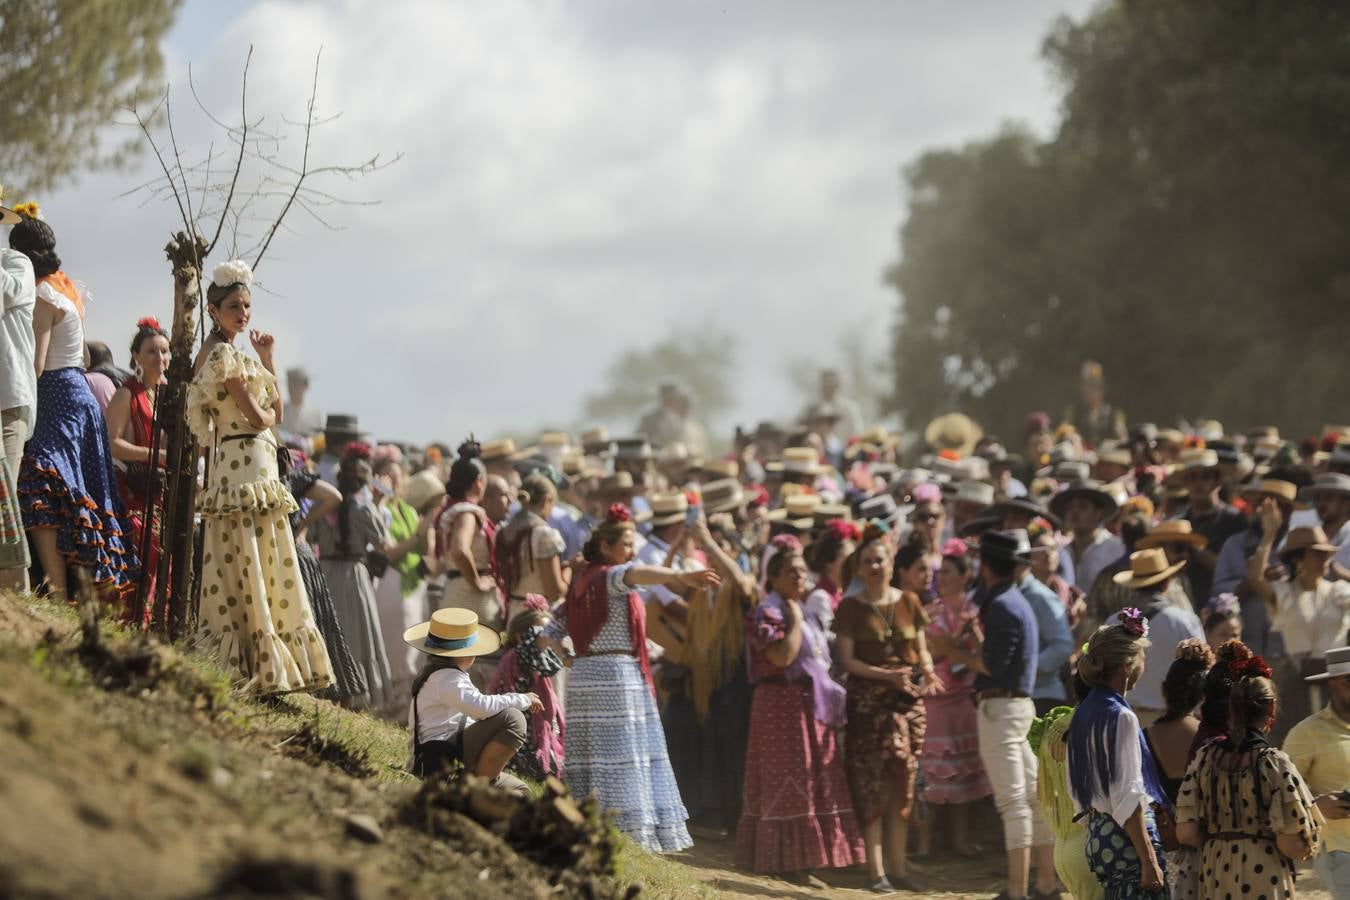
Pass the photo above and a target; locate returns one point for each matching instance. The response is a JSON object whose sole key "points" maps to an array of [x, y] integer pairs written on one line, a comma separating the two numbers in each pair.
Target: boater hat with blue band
{"points": [[453, 632]]}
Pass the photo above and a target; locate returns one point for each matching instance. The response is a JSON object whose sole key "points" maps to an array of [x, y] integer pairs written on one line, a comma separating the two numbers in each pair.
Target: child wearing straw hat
{"points": [[452, 719]]}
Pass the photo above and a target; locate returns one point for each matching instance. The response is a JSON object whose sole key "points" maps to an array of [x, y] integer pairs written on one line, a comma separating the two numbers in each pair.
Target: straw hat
{"points": [[1115, 454], [453, 632], [974, 492], [632, 448], [722, 468], [668, 509], [796, 506], [503, 449], [797, 460], [723, 495], [1147, 568], [1326, 483], [7, 215], [423, 488], [1272, 487], [1172, 531], [1197, 458], [1307, 538], [555, 441], [953, 431], [879, 437], [595, 441], [618, 483]]}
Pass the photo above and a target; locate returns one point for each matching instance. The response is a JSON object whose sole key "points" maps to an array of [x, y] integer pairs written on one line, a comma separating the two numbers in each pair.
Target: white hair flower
{"points": [[236, 271]]}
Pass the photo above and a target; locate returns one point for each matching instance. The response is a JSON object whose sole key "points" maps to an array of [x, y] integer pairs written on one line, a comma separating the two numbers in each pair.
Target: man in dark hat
{"points": [[339, 430], [1209, 516], [1005, 668], [1085, 509]]}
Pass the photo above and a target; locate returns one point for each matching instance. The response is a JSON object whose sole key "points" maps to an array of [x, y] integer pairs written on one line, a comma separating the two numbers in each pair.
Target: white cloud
{"points": [[579, 177]]}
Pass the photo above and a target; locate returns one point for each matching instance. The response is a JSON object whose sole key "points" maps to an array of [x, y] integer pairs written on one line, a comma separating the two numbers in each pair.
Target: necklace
{"points": [[888, 620]]}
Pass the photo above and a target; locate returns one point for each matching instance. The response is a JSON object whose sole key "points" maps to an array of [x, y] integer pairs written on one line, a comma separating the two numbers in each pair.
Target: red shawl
{"points": [[587, 609]]}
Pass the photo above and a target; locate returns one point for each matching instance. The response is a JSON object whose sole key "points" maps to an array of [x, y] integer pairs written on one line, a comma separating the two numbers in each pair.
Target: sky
{"points": [[575, 179]]}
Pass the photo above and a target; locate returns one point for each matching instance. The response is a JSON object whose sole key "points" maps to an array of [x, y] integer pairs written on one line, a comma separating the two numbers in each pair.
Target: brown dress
{"points": [[885, 727]]}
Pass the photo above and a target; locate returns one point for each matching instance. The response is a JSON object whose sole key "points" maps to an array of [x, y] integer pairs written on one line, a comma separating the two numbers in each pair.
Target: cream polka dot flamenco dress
{"points": [[255, 615]]}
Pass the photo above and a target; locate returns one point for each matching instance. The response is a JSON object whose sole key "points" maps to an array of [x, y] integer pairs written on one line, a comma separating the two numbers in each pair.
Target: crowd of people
{"points": [[803, 645]]}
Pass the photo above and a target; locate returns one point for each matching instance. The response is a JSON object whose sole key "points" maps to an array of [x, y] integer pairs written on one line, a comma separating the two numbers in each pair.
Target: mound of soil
{"points": [[130, 773]]}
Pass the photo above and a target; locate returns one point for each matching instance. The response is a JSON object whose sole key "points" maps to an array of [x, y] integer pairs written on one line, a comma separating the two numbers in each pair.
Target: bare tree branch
{"points": [[243, 143], [304, 160]]}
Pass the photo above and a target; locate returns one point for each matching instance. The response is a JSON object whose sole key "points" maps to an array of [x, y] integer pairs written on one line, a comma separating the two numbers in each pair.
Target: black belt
{"points": [[249, 437], [1001, 694]]}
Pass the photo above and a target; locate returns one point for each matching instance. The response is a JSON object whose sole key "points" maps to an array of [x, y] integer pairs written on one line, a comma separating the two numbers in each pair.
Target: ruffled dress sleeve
{"points": [[207, 393], [1188, 805], [1290, 806], [546, 542], [53, 297]]}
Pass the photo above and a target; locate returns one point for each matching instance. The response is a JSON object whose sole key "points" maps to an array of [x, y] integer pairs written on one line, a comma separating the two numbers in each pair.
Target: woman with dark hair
{"points": [[465, 549], [796, 813], [1170, 739], [1112, 776], [914, 570], [879, 633], [953, 774], [67, 488], [345, 539], [529, 550], [827, 557], [615, 746], [1243, 804], [255, 615], [528, 667], [131, 430]]}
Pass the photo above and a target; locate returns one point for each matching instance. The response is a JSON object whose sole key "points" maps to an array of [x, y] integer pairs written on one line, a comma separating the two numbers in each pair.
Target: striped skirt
{"points": [[616, 750]]}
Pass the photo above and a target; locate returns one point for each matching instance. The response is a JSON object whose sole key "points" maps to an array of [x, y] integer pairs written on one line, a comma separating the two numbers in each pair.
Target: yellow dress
{"points": [[1052, 788], [255, 614]]}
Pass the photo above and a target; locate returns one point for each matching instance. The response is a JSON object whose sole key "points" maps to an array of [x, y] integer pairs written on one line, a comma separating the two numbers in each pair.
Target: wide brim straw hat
{"points": [[1147, 568], [723, 495], [953, 431], [453, 633], [1307, 538], [1172, 531], [1273, 487], [422, 488], [669, 509]]}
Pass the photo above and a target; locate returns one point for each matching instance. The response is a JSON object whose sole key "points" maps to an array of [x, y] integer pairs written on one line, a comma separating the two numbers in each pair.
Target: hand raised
{"points": [[262, 342]]}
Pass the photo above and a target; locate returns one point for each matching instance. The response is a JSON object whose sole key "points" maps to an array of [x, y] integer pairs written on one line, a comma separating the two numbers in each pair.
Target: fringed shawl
{"points": [[1092, 749], [716, 641], [586, 610]]}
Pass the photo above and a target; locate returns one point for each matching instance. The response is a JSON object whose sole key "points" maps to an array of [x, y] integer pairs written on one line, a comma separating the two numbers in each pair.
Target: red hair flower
{"points": [[759, 496], [357, 450], [1249, 668], [617, 512], [843, 529], [149, 322]]}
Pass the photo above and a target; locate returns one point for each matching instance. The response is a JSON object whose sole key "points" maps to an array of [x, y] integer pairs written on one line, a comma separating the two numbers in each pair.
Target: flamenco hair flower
{"points": [[1193, 442], [693, 498], [1196, 651], [618, 512], [357, 450], [786, 543], [926, 493], [536, 603], [1249, 668], [235, 271], [29, 210], [951, 455], [955, 547], [433, 455], [875, 530], [843, 530], [759, 496], [1222, 605], [1330, 441], [149, 322], [1133, 621]]}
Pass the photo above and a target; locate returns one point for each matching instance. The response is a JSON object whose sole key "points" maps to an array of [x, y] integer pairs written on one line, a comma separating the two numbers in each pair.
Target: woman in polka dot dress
{"points": [[1243, 803], [254, 610]]}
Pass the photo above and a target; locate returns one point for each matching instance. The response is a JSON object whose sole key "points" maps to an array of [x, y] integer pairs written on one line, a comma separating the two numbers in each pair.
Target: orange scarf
{"points": [[61, 283]]}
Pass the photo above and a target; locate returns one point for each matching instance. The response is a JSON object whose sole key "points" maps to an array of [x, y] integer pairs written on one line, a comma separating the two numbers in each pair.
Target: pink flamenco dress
{"points": [[796, 809], [950, 765]]}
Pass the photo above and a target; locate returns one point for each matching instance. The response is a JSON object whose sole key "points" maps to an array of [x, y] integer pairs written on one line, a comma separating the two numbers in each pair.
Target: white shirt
{"points": [[449, 697], [1166, 629], [1126, 793], [18, 383], [66, 347], [653, 553], [1342, 540], [1312, 622]]}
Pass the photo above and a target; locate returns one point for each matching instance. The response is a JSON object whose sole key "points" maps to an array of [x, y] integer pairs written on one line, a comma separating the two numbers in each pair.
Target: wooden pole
{"points": [[175, 577]]}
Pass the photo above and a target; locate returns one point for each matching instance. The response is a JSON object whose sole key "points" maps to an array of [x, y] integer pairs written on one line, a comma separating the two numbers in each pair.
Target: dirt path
{"points": [[948, 877]]}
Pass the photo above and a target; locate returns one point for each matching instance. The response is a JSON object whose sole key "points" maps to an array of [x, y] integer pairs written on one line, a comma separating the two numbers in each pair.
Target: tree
{"points": [[68, 66], [704, 369], [1185, 226]]}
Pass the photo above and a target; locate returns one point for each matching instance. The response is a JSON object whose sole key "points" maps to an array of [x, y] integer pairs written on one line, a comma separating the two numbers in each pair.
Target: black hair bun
{"points": [[470, 449], [35, 239]]}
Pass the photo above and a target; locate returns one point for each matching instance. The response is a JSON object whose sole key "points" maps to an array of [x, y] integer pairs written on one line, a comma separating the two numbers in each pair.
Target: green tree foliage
{"points": [[68, 67], [1187, 226], [704, 367]]}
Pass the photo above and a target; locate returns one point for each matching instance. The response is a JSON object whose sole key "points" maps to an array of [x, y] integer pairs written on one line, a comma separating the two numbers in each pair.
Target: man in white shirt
{"points": [[451, 719], [18, 384], [669, 513]]}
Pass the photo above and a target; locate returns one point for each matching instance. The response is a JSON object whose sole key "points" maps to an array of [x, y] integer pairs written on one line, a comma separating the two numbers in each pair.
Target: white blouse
{"points": [[1312, 622], [66, 348], [1126, 793], [448, 697]]}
